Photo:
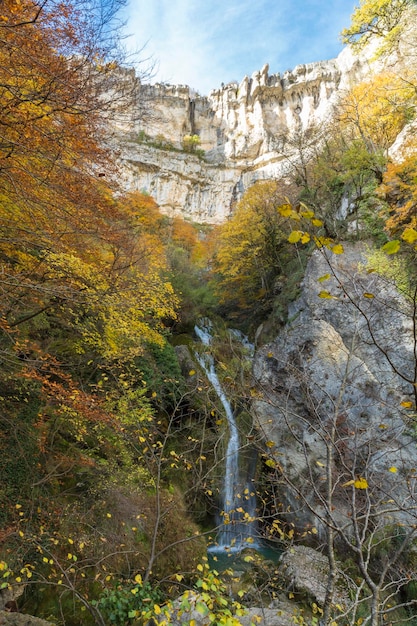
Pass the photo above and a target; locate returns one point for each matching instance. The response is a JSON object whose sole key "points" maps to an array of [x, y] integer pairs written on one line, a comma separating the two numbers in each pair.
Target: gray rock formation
{"points": [[242, 129], [340, 373], [305, 571], [20, 619]]}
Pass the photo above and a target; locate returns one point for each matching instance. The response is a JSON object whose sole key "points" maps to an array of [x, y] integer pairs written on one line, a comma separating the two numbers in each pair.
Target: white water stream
{"points": [[237, 528]]}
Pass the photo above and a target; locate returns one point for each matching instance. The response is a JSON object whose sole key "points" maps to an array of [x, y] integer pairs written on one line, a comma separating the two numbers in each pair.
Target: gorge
{"points": [[333, 388], [135, 438]]}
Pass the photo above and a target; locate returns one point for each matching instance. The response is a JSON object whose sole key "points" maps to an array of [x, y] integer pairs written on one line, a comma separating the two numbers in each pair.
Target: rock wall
{"points": [[241, 129], [341, 372]]}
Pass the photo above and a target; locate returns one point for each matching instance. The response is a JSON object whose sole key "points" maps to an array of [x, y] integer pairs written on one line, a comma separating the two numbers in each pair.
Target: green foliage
{"points": [[210, 599], [124, 602], [381, 19], [20, 446], [190, 143], [162, 375], [189, 255], [395, 269]]}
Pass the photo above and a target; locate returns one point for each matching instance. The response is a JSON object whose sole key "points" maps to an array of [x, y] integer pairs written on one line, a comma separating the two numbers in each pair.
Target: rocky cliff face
{"points": [[241, 129], [339, 377]]}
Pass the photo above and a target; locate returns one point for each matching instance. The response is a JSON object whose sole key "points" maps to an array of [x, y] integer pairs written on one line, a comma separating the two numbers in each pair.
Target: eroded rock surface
{"points": [[20, 619], [341, 372], [243, 129]]}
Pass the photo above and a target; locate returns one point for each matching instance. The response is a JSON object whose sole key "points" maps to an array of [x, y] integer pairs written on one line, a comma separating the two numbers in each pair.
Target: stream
{"points": [[238, 525]]}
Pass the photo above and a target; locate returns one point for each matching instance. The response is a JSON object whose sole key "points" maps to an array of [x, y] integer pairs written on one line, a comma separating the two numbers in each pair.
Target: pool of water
{"points": [[221, 559]]}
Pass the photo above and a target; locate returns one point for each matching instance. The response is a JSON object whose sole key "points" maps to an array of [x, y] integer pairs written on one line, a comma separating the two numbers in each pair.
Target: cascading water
{"points": [[238, 526]]}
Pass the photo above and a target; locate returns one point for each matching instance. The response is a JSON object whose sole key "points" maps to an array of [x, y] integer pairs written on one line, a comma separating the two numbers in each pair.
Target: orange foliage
{"points": [[184, 233], [65, 238], [399, 189]]}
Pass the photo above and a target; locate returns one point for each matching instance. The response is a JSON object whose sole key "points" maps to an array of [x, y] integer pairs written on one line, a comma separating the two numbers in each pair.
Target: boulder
{"points": [[20, 619]]}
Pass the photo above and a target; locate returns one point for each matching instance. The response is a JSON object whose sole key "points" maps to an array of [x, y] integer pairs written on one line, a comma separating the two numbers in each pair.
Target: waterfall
{"points": [[238, 525]]}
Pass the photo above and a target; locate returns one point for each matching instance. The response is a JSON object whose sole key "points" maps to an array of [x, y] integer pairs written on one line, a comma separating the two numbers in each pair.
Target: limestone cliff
{"points": [[341, 373], [241, 129]]}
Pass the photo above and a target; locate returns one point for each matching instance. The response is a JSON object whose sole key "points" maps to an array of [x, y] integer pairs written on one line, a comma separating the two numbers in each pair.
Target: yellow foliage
{"points": [[377, 110], [251, 245], [381, 19], [361, 483]]}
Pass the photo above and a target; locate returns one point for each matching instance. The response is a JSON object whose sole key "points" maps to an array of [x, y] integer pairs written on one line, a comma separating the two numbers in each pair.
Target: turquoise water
{"points": [[220, 559]]}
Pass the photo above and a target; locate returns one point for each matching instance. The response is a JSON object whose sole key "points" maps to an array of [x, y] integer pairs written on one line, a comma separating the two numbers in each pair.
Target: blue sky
{"points": [[203, 43]]}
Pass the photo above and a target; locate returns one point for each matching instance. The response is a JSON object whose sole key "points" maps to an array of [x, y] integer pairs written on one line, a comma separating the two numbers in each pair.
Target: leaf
{"points": [[391, 247], [323, 241], [295, 236], [325, 294], [323, 278], [368, 295], [201, 608], [406, 404], [285, 210], [361, 483], [409, 235], [308, 213]]}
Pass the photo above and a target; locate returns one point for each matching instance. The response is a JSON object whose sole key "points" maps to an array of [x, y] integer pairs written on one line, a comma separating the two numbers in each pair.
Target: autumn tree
{"points": [[398, 189], [58, 66], [84, 281], [376, 110], [382, 20], [253, 251]]}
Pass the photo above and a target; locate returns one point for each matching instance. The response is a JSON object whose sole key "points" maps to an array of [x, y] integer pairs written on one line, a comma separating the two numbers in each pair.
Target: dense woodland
{"points": [[110, 445]]}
